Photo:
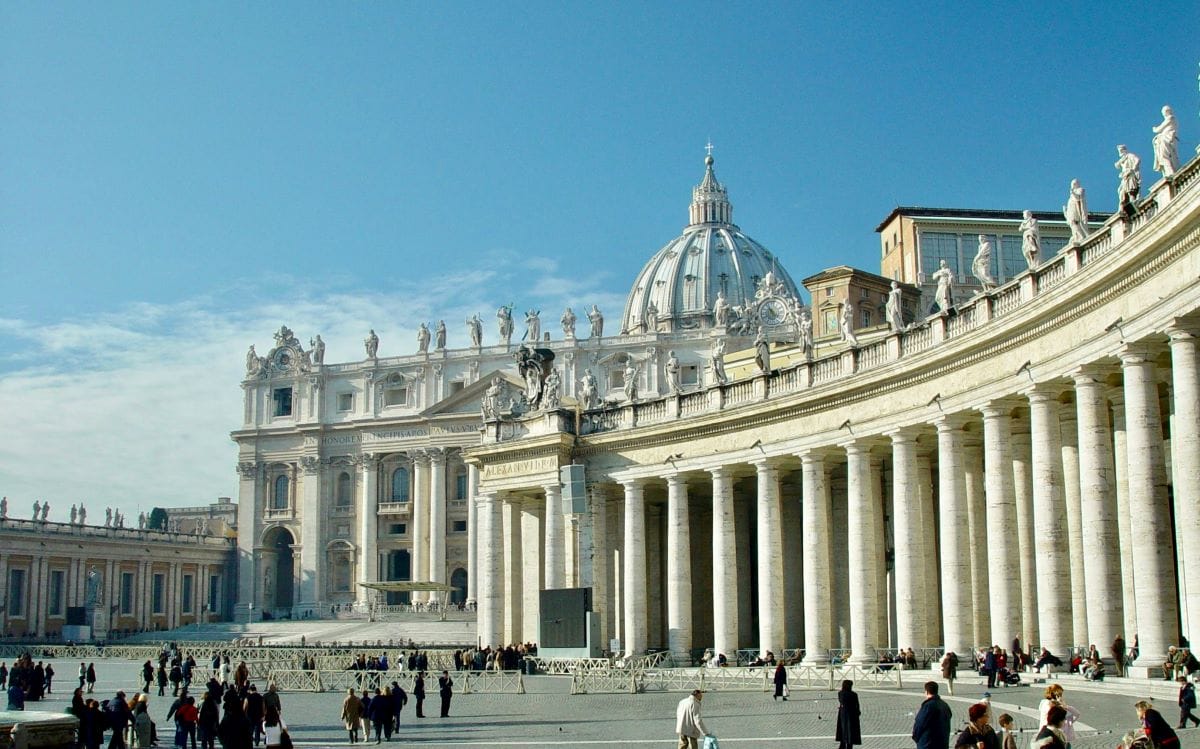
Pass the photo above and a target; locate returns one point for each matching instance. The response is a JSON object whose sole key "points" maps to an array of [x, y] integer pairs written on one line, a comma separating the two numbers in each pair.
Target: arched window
{"points": [[400, 485], [345, 490], [458, 579], [280, 500]]}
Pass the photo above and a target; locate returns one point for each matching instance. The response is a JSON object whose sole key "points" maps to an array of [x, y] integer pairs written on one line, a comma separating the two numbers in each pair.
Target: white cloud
{"points": [[132, 408]]}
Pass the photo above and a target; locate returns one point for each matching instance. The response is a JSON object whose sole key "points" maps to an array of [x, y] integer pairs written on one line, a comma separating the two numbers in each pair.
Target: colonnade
{"points": [[1050, 514]]}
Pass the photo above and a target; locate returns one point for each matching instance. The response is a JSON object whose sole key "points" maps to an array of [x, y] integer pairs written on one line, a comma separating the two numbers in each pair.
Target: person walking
{"points": [[1118, 654], [255, 709], [399, 700], [1187, 703], [1156, 727], [379, 713], [119, 717], [950, 669], [445, 691], [931, 727], [147, 676], [352, 714], [1050, 736], [274, 729], [1007, 739], [990, 666], [90, 676], [849, 727], [781, 687], [978, 733], [49, 678], [689, 725], [419, 693], [208, 721], [82, 674]]}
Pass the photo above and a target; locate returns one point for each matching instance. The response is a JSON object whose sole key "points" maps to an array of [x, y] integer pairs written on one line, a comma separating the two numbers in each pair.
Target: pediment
{"points": [[467, 400]]}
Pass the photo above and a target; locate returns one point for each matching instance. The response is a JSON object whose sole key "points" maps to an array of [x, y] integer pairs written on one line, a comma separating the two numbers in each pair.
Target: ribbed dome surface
{"points": [[682, 280]]}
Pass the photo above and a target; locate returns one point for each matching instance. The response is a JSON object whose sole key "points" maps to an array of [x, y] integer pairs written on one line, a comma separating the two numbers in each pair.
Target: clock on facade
{"points": [[773, 312]]}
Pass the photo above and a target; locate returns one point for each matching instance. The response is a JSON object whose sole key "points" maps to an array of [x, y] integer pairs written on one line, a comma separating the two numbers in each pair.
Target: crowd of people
{"points": [[26, 681]]}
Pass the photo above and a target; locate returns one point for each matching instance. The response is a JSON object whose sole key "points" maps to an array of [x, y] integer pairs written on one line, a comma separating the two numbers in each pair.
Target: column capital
{"points": [[632, 483], [997, 408], [902, 436], [950, 422], [1183, 329], [1094, 373], [552, 489], [436, 455], [765, 464], [718, 472], [675, 479], [1043, 392], [1138, 352]]}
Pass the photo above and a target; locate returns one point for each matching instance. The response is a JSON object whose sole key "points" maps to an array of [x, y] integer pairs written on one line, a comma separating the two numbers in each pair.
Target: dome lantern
{"points": [[710, 201]]}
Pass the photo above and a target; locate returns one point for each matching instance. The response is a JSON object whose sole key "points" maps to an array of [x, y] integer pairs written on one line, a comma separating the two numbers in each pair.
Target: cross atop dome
{"points": [[710, 201]]}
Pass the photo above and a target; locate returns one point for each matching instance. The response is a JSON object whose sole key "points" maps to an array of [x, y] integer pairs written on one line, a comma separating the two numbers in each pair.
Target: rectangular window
{"points": [[16, 593], [186, 602], [398, 529], [938, 246], [157, 587], [865, 294], [1051, 246], [395, 396], [829, 292], [457, 387], [214, 594], [689, 374], [282, 398], [460, 526], [345, 402], [460, 486], [831, 324], [1012, 260], [127, 594], [866, 318], [58, 583]]}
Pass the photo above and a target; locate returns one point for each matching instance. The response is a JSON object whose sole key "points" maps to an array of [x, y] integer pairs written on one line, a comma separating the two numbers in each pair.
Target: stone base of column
{"points": [[818, 659], [868, 657], [1147, 672]]}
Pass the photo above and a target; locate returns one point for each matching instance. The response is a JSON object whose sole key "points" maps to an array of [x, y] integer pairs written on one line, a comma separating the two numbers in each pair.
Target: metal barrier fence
{"points": [[468, 682], [736, 679], [571, 665]]}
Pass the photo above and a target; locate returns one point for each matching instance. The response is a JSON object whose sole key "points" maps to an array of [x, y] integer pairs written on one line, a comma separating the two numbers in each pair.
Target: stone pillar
{"points": [[531, 570], [635, 568], [929, 527], [793, 562], [860, 524], [513, 605], [679, 570], [555, 554], [1004, 564], [818, 593], [1022, 462], [725, 584], [437, 520], [600, 555], [308, 593], [249, 515], [770, 561], [1100, 538], [491, 570], [368, 526], [1116, 399], [952, 517], [879, 546], [420, 522], [1185, 457], [1050, 523], [1149, 512], [472, 534], [910, 551], [1070, 456]]}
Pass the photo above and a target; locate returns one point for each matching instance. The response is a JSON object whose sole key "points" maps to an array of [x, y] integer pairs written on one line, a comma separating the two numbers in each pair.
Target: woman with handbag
{"points": [[275, 730], [849, 729], [781, 687]]}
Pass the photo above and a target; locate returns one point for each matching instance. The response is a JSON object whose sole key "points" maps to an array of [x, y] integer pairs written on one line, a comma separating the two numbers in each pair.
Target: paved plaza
{"points": [[548, 715]]}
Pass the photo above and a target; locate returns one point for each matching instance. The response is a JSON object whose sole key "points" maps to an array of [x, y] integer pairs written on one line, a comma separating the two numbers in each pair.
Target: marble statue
{"points": [[597, 321], [45, 510], [118, 519], [806, 333], [372, 344], [422, 339], [440, 335], [631, 384], [1031, 239], [846, 323], [475, 330], [552, 391], [1076, 212], [4, 508], [108, 517], [944, 278], [720, 311], [533, 326], [82, 514], [491, 399], [74, 514], [504, 322], [1130, 185], [672, 370], [141, 521], [982, 264], [252, 365], [204, 526], [285, 337], [37, 509], [652, 318], [589, 390], [894, 309], [1166, 144], [318, 349], [534, 366], [94, 585], [718, 361], [568, 323], [762, 351]]}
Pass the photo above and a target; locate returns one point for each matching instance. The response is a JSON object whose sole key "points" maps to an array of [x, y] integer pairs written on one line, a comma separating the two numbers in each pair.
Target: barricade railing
{"points": [[491, 682], [735, 679], [571, 665]]}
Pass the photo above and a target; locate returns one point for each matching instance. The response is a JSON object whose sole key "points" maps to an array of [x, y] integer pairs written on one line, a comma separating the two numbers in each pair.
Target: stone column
{"points": [[1149, 512], [1050, 523], [1004, 564], [929, 522], [725, 583], [956, 568], [635, 568], [1098, 505], [599, 554], [513, 605], [818, 593], [910, 551], [368, 527], [309, 591], [860, 525], [1116, 397], [491, 570], [437, 520], [679, 570], [555, 554], [472, 534], [249, 516], [1185, 454], [1074, 503], [793, 557], [531, 569], [420, 522], [1023, 493], [770, 560]]}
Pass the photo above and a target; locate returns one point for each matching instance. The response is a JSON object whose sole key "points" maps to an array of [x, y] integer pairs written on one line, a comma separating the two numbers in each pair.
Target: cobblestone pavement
{"points": [[548, 716]]}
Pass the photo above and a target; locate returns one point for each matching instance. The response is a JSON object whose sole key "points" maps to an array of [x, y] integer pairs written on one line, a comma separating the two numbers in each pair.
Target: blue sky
{"points": [[176, 180]]}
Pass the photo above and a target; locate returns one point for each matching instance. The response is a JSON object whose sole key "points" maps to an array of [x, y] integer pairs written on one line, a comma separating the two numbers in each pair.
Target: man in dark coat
{"points": [[931, 728], [419, 693], [849, 729], [446, 691], [119, 716]]}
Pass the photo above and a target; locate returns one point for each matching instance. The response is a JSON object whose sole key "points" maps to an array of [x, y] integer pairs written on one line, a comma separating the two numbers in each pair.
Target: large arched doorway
{"points": [[279, 571], [399, 567], [458, 579]]}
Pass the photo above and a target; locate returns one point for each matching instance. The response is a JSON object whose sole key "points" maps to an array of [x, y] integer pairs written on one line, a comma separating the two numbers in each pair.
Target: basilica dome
{"points": [[680, 284]]}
